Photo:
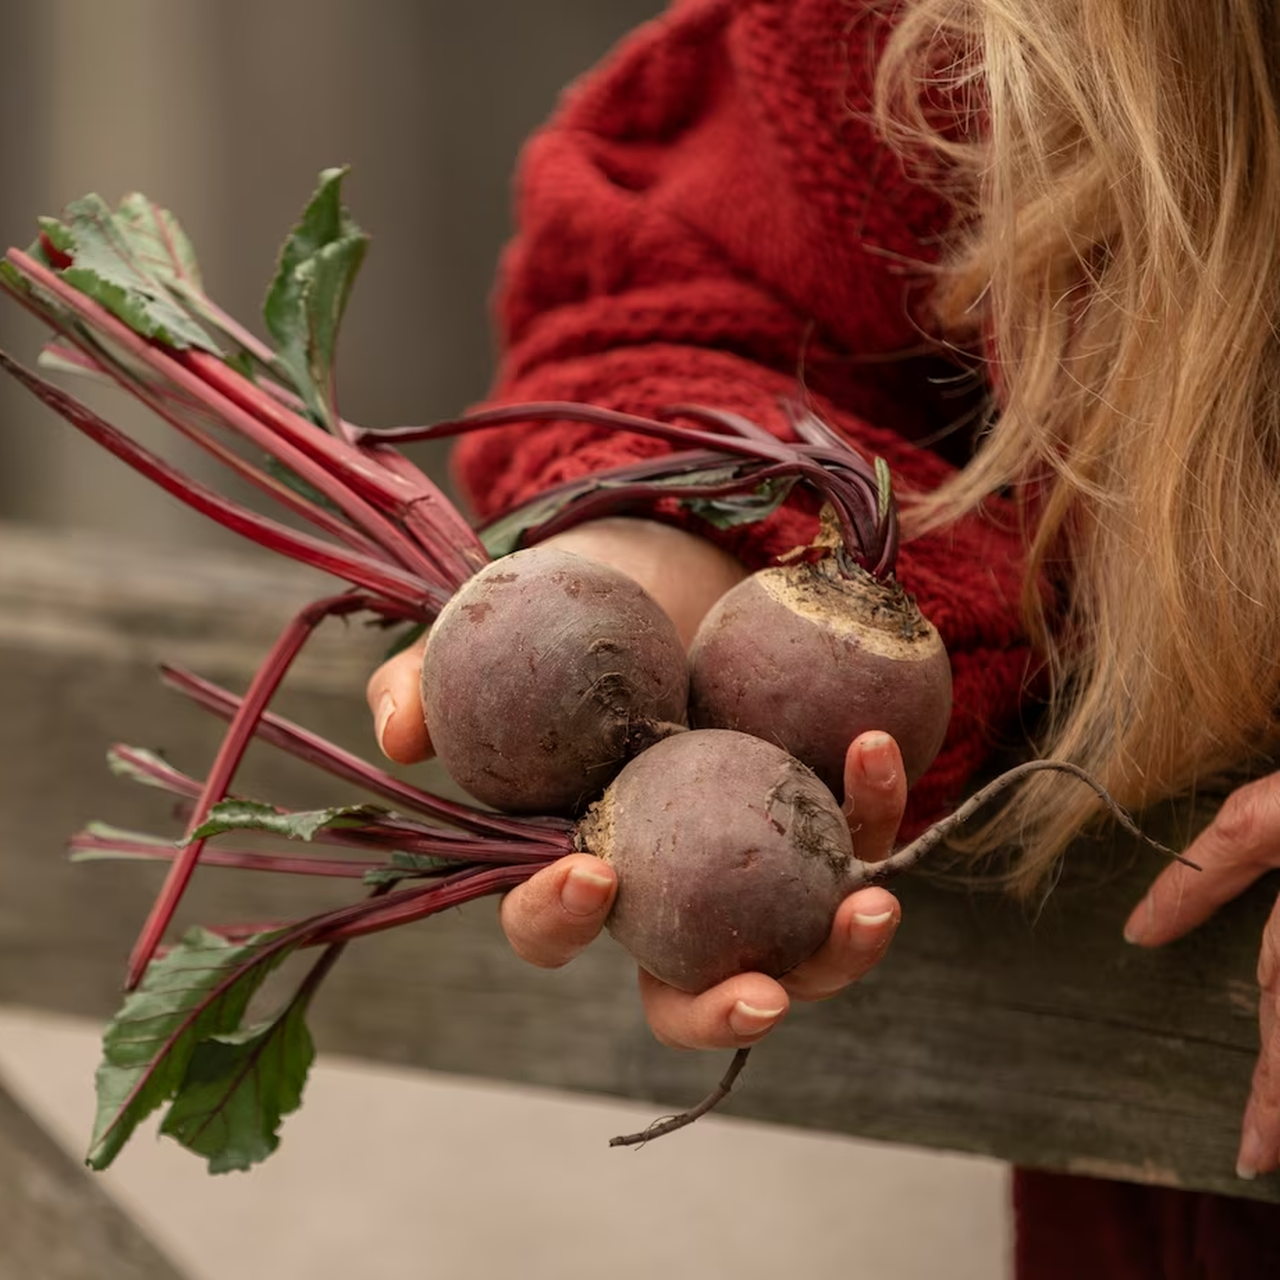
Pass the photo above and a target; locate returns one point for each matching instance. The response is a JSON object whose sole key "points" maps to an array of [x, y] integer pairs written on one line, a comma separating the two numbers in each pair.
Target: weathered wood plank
{"points": [[1044, 1041], [58, 1224]]}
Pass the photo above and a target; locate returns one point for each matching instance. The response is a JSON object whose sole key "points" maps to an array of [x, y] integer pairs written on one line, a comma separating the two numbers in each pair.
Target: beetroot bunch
{"points": [[557, 692]]}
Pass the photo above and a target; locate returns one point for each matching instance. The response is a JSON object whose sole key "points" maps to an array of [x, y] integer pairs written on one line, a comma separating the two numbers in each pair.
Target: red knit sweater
{"points": [[704, 213], [703, 210]]}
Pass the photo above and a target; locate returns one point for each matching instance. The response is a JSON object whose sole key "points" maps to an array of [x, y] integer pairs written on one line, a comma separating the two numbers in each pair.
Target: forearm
{"points": [[685, 574]]}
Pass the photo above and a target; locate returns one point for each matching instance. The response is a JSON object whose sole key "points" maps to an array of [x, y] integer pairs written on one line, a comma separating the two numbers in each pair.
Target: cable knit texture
{"points": [[706, 214]]}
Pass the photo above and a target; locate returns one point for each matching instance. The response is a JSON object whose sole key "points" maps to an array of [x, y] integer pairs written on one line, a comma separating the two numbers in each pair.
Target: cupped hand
{"points": [[556, 913], [551, 917], [1241, 844]]}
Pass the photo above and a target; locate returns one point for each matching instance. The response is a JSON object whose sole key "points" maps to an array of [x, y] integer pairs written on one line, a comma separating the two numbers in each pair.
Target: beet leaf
{"points": [[239, 1086], [304, 305], [408, 866], [128, 261], [196, 991], [251, 815], [731, 510], [147, 768], [116, 844]]}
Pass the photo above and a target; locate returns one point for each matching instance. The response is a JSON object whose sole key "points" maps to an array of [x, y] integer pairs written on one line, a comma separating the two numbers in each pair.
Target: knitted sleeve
{"points": [[708, 218]]}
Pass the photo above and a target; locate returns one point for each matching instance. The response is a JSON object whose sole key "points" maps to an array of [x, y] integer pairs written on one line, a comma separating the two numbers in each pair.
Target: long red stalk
{"points": [[164, 405], [417, 904], [236, 859], [235, 741], [373, 575], [312, 748], [838, 474], [353, 470], [386, 831], [338, 470]]}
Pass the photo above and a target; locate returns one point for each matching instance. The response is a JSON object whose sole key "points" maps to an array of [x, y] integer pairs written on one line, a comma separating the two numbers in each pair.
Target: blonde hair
{"points": [[1120, 251]]}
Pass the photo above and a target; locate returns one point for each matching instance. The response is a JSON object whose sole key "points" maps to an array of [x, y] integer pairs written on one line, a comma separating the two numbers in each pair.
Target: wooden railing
{"points": [[1036, 1037]]}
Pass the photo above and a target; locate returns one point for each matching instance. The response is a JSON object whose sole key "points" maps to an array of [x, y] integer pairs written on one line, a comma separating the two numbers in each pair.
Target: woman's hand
{"points": [[556, 913], [1239, 845], [551, 917]]}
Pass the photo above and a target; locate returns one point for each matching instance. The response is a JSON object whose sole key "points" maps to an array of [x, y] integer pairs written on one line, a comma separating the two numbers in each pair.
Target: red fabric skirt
{"points": [[1073, 1228]]}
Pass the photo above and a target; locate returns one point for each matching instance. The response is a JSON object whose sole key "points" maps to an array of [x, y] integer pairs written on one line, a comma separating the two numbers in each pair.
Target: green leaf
{"points": [[250, 815], [105, 831], [741, 508], [884, 492], [197, 991], [58, 236], [127, 766], [407, 866], [131, 261], [238, 1087], [506, 533], [304, 305]]}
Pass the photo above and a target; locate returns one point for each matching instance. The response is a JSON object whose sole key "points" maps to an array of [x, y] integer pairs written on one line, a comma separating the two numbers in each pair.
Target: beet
{"points": [[810, 656], [544, 674], [732, 857]]}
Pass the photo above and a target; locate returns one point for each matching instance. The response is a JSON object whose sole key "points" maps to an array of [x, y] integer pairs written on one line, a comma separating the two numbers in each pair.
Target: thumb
{"points": [[395, 699]]}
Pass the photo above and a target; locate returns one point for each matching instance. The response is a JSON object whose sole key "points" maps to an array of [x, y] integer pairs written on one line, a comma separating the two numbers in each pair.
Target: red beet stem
{"points": [[235, 741], [382, 833], [165, 404], [236, 859], [864, 873], [297, 443], [325, 755], [618, 498], [838, 474], [359, 486], [386, 579], [420, 902], [341, 472]]}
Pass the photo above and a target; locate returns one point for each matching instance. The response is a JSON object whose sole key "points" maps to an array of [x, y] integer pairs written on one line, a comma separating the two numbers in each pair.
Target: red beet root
{"points": [[732, 857], [809, 657], [544, 675]]}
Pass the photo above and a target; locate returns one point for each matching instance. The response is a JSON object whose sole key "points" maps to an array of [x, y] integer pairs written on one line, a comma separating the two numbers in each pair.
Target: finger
{"points": [[875, 794], [555, 913], [863, 928], [1238, 846], [395, 698], [1260, 1133], [732, 1015]]}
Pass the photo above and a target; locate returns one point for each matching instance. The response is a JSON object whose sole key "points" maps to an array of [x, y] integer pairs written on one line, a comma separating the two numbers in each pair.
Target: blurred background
{"points": [[225, 111]]}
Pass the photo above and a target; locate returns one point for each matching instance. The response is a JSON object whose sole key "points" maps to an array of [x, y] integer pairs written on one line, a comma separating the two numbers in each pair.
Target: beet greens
{"points": [[122, 292]]}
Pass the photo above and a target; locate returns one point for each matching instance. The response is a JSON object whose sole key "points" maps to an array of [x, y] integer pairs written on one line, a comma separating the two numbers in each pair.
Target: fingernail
{"points": [[1138, 925], [747, 1020], [386, 709], [877, 759], [585, 891], [870, 921], [868, 917], [1250, 1154]]}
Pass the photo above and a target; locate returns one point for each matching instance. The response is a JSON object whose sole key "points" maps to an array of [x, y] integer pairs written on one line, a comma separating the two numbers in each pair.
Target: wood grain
{"points": [[1042, 1038]]}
